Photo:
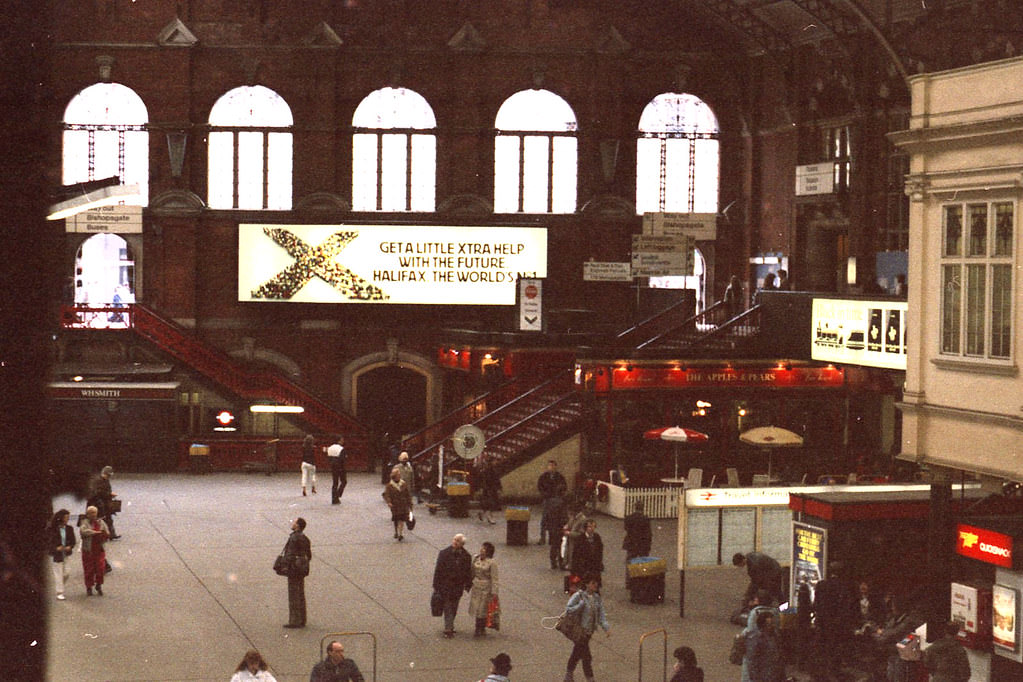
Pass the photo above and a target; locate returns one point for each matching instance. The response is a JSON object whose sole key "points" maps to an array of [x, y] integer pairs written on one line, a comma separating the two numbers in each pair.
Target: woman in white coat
{"points": [[484, 586]]}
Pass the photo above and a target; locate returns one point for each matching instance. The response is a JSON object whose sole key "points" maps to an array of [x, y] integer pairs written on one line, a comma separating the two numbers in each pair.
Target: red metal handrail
{"points": [[219, 366]]}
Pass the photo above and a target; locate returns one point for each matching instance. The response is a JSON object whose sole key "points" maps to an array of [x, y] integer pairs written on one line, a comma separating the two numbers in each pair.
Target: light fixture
{"points": [[86, 195], [850, 270], [277, 409]]}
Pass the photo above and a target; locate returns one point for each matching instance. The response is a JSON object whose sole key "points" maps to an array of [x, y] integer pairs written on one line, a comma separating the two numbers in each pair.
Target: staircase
{"points": [[519, 419], [223, 370], [716, 331]]}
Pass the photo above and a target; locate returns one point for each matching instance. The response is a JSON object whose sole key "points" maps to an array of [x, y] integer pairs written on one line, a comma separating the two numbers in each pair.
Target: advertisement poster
{"points": [[1004, 617], [809, 547], [963, 609], [856, 332], [424, 264]]}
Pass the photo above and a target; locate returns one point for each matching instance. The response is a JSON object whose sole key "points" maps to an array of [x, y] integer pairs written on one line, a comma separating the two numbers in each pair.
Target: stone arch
{"points": [[393, 357], [250, 353]]}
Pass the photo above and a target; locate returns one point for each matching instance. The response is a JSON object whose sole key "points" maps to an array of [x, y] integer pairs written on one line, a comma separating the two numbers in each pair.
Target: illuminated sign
{"points": [[809, 545], [676, 377], [104, 390], [984, 545], [422, 264], [779, 495], [868, 333]]}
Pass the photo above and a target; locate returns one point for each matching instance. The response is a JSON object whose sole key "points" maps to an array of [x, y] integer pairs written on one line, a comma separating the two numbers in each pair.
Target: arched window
{"points": [[677, 156], [535, 157], [250, 150], [105, 135], [394, 165]]}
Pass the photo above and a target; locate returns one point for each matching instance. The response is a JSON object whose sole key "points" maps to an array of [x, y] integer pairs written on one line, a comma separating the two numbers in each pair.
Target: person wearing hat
{"points": [[102, 498], [500, 666], [408, 474]]}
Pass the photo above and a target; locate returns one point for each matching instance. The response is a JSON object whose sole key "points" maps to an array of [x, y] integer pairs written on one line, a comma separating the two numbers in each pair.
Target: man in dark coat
{"points": [[836, 613], [638, 535], [298, 553], [588, 551], [335, 667], [451, 577], [764, 574], [551, 484], [556, 512], [102, 497]]}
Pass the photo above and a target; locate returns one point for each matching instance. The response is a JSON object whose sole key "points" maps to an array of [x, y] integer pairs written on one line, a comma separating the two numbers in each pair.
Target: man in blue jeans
{"points": [[451, 577]]}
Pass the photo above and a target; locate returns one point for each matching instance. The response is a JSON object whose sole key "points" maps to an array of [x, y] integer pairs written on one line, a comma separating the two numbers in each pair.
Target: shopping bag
{"points": [[411, 523], [738, 650], [494, 613], [568, 624]]}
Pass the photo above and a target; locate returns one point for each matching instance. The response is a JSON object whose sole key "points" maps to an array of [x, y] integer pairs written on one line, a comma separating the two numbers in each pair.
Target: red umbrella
{"points": [[676, 434]]}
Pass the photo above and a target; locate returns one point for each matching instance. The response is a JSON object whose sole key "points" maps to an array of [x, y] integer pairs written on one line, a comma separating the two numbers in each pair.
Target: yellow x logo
{"points": [[315, 261]]}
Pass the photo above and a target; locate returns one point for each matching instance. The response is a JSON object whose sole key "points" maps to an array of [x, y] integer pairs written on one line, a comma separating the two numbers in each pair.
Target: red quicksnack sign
{"points": [[984, 545]]}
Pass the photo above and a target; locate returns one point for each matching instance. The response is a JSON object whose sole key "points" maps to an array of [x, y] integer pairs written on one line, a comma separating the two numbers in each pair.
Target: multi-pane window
{"points": [[894, 234], [105, 135], [976, 280], [394, 158], [250, 150], [535, 158], [838, 150], [677, 156]]}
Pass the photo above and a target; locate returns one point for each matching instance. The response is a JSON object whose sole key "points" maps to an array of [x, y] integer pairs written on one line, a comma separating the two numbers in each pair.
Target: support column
{"points": [[938, 573]]}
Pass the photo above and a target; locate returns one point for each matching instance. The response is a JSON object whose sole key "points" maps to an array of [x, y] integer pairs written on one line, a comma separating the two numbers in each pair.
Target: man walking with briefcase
{"points": [[297, 555]]}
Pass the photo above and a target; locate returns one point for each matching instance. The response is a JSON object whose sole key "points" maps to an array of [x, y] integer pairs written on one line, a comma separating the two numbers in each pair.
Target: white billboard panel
{"points": [[417, 264], [852, 332]]}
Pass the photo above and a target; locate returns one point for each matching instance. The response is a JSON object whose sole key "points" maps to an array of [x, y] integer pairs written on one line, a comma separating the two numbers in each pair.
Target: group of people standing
{"points": [[95, 527]]}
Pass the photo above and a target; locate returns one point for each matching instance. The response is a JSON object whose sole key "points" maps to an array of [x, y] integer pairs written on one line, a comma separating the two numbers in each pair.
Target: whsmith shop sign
{"points": [[425, 264]]}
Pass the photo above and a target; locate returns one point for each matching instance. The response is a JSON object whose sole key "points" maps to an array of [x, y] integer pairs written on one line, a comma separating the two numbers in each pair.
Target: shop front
{"points": [[986, 593]]}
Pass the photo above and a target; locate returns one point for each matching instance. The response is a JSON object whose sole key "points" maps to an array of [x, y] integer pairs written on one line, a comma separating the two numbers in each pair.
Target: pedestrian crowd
{"points": [[570, 532]]}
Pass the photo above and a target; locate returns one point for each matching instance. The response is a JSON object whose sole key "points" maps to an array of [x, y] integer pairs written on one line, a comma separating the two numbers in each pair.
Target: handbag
{"points": [[436, 604], [411, 523], [494, 613], [281, 565], [738, 650], [568, 624]]}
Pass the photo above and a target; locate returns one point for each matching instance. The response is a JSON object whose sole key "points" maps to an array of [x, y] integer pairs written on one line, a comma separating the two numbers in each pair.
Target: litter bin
{"points": [[517, 520], [458, 499], [199, 458], [646, 579]]}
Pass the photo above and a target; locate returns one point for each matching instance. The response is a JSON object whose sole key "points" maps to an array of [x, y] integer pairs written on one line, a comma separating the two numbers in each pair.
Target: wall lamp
{"points": [[277, 409]]}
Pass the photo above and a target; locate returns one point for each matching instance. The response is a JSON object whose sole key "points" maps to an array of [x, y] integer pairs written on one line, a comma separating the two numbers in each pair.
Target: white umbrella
{"points": [[770, 437]]}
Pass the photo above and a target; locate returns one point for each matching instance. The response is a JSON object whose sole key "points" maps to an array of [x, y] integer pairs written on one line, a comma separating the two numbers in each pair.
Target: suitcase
{"points": [[647, 589], [518, 532]]}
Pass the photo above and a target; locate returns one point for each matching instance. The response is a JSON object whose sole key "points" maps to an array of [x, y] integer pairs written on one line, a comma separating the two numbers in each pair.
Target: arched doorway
{"points": [[104, 271], [392, 400]]}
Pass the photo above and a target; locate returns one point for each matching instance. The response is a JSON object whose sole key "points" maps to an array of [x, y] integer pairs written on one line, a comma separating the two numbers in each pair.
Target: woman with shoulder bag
{"points": [[587, 605]]}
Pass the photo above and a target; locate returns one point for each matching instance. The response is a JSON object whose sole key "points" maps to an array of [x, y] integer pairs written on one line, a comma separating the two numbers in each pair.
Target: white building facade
{"points": [[963, 398]]}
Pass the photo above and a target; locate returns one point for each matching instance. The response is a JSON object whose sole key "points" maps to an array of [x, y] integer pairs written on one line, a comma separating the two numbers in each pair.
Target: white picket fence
{"points": [[658, 503]]}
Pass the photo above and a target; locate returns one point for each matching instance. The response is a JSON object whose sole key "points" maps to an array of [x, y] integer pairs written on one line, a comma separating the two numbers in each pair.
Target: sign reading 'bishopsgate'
{"points": [[423, 264]]}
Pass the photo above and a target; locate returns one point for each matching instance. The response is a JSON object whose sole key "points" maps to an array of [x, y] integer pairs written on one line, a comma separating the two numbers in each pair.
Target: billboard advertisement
{"points": [[855, 332], [413, 264]]}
